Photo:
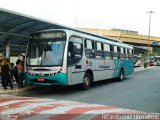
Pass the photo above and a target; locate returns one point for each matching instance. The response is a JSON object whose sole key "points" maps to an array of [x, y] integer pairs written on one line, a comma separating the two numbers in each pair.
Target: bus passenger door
{"points": [[75, 50]]}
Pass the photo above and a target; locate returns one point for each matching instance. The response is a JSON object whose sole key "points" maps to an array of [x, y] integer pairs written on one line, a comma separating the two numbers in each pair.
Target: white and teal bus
{"points": [[69, 57]]}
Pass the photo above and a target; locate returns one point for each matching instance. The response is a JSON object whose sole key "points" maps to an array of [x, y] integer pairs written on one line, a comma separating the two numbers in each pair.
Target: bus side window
{"points": [[107, 51], [99, 50], [124, 51], [130, 53], [127, 53], [119, 52], [115, 52], [122, 54], [89, 49], [111, 49]]}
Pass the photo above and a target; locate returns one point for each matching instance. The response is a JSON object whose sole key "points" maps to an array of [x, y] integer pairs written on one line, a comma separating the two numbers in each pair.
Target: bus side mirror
{"points": [[47, 48]]}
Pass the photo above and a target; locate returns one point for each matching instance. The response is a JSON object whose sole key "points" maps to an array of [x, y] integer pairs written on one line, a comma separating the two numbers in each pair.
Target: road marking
{"points": [[27, 108]]}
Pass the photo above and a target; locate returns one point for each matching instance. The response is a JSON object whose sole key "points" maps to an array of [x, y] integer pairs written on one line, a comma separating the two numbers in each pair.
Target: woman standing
{"points": [[5, 73]]}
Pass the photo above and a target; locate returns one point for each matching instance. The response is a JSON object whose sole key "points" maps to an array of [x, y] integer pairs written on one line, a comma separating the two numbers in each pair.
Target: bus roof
{"points": [[84, 32]]}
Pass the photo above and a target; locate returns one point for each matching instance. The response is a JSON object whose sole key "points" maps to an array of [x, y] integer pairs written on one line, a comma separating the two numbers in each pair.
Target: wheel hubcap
{"points": [[86, 81], [121, 76]]}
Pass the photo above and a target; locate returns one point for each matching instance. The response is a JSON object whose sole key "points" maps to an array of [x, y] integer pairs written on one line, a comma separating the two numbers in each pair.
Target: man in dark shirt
{"points": [[15, 70], [5, 74]]}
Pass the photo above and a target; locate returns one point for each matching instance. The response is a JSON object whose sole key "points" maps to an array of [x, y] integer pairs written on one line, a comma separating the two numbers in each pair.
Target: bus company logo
{"points": [[90, 63], [103, 66]]}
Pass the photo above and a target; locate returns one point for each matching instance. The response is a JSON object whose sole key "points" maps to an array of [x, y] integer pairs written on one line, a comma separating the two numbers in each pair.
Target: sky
{"points": [[99, 14]]}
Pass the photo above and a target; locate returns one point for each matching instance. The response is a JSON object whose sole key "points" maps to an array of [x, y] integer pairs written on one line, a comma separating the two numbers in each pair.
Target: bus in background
{"points": [[157, 60], [69, 57], [151, 60], [137, 61]]}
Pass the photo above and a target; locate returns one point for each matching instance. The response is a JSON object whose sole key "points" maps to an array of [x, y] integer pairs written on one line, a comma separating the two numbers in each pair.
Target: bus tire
{"points": [[121, 75], [86, 81]]}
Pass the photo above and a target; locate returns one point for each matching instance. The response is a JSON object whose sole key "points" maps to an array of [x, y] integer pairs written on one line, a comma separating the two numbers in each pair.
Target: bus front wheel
{"points": [[86, 82]]}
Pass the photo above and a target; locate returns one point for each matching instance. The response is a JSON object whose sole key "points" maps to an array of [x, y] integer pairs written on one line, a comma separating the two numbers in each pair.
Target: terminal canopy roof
{"points": [[16, 27]]}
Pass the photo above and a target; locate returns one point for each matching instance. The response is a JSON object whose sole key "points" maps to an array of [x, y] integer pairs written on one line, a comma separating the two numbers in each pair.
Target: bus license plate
{"points": [[41, 79]]}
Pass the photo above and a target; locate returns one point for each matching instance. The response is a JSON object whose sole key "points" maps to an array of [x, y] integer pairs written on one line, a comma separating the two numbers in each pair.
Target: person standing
{"points": [[15, 71], [11, 72], [5, 73], [20, 74]]}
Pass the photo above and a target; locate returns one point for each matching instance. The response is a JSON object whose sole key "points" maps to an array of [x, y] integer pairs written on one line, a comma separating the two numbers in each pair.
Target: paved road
{"points": [[31, 108], [139, 91]]}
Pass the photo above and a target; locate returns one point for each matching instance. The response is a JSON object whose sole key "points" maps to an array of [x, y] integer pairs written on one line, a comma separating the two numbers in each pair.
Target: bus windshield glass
{"points": [[45, 52]]}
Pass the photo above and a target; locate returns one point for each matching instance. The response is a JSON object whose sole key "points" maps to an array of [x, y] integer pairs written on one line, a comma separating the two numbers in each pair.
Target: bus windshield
{"points": [[45, 53]]}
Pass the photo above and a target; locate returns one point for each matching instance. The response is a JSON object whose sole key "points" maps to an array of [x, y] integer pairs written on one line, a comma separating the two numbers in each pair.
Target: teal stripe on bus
{"points": [[127, 65]]}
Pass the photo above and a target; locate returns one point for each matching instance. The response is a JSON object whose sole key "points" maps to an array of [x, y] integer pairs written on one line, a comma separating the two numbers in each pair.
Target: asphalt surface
{"points": [[139, 91]]}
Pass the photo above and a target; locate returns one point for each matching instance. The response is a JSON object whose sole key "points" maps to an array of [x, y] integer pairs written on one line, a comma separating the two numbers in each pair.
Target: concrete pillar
{"points": [[8, 49]]}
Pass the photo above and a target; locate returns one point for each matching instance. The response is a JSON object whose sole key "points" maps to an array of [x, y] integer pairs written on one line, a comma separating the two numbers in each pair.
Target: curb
{"points": [[139, 69], [18, 91]]}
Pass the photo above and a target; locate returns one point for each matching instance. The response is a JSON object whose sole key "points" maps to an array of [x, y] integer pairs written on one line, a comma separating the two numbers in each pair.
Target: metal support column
{"points": [[150, 13], [8, 49]]}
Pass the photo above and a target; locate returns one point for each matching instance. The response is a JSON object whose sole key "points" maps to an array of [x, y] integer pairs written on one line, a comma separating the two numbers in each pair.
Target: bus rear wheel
{"points": [[86, 82], [121, 75]]}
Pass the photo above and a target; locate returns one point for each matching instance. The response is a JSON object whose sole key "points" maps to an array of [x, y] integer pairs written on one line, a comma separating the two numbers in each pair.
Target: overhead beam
{"points": [[9, 33]]}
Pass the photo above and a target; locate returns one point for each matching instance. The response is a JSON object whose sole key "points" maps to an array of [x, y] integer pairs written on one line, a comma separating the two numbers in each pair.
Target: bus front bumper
{"points": [[58, 79]]}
